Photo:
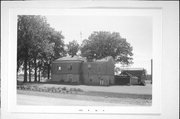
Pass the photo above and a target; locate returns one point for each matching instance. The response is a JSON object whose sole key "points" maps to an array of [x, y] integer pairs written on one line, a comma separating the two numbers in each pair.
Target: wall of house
{"points": [[98, 79], [89, 73], [66, 67], [66, 78], [67, 72], [98, 73]]}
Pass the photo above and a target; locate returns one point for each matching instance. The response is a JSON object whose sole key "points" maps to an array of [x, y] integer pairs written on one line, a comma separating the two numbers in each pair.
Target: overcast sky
{"points": [[136, 29]]}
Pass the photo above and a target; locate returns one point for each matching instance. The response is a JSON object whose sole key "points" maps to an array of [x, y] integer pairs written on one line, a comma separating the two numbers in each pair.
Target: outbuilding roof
{"points": [[132, 76], [134, 72]]}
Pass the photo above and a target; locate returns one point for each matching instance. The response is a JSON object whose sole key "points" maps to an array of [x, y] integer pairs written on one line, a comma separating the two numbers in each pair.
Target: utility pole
{"points": [[151, 70]]}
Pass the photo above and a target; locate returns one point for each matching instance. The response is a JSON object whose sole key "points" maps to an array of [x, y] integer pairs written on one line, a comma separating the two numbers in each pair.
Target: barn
{"points": [[131, 76], [76, 70]]}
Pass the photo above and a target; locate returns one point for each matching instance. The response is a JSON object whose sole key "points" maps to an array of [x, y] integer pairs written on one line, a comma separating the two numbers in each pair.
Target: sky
{"points": [[136, 29]]}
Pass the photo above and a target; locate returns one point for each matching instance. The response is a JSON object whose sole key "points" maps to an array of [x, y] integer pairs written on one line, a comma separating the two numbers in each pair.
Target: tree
{"points": [[24, 42], [72, 48], [37, 43], [102, 44]]}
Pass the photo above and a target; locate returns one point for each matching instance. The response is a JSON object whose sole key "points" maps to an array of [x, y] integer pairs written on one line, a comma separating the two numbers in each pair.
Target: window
{"points": [[59, 68]]}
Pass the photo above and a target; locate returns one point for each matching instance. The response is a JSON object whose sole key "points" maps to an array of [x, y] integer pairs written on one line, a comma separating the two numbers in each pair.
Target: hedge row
{"points": [[49, 89]]}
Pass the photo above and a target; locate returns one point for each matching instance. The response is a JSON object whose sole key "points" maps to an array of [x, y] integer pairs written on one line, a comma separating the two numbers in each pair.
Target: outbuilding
{"points": [[126, 79], [133, 76]]}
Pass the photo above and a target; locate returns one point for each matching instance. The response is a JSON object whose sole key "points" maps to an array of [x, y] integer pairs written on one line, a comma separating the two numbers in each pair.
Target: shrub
{"points": [[64, 88]]}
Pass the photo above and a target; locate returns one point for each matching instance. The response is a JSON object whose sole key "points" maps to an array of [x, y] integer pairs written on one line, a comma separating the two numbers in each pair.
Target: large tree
{"points": [[72, 48], [102, 44], [53, 50]]}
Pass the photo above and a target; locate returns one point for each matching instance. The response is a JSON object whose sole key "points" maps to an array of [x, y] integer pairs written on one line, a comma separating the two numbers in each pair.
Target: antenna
{"points": [[81, 36]]}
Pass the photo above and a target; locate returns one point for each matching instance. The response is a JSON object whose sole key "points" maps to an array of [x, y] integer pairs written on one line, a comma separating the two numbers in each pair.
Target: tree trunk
{"points": [[39, 74], [29, 71], [48, 71], [35, 70], [25, 69]]}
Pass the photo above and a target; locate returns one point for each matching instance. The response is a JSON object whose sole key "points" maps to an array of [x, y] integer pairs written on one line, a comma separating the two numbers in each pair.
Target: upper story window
{"points": [[70, 67], [89, 66]]}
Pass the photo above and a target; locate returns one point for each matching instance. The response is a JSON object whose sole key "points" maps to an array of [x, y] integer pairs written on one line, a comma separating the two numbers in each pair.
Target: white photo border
{"points": [[155, 13]]}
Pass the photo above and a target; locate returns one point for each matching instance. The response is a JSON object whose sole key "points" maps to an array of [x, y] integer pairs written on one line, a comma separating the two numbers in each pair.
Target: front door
{"points": [[89, 74], [69, 78]]}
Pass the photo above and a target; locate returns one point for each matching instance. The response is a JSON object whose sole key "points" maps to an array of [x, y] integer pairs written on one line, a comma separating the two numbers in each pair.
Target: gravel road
{"points": [[37, 100], [44, 98]]}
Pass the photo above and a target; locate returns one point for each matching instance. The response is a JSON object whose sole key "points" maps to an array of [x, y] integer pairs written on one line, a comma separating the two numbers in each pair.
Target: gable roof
{"points": [[134, 72], [132, 76]]}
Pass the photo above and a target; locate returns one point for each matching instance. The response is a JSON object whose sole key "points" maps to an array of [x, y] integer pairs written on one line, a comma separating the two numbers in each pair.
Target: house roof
{"points": [[69, 58], [79, 58], [105, 59]]}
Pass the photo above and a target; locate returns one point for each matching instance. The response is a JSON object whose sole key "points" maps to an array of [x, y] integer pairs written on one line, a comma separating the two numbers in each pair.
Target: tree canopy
{"points": [[101, 44], [72, 48]]}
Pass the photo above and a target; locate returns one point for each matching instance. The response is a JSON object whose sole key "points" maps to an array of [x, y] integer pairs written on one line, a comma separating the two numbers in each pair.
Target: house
{"points": [[99, 72], [67, 70], [79, 71]]}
